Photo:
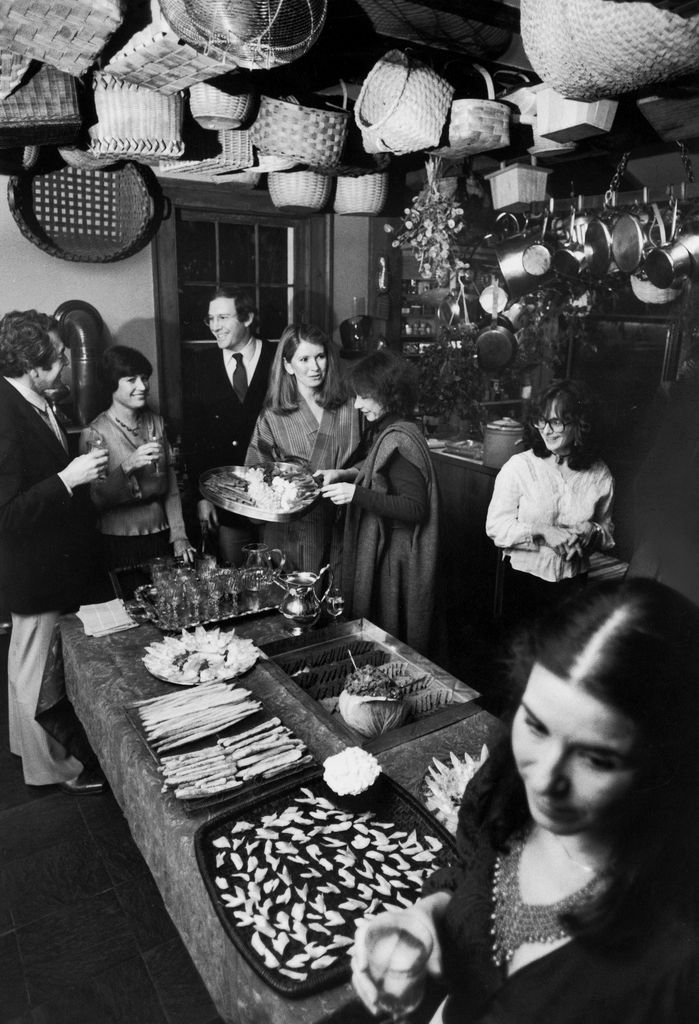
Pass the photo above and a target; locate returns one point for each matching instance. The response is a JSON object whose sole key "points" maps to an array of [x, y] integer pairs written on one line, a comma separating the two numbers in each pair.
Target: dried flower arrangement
{"points": [[432, 225]]}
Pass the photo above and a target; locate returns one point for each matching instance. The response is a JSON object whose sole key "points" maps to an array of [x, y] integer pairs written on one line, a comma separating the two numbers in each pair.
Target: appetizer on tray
{"points": [[200, 656]]}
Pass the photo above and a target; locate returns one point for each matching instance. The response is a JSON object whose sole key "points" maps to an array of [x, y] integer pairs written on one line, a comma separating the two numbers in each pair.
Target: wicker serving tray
{"points": [[317, 867]]}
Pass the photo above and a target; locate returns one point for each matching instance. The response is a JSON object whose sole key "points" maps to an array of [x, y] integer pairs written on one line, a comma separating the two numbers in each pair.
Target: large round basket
{"points": [[214, 109], [366, 194], [303, 189], [258, 34], [402, 105], [597, 49], [88, 216], [313, 136]]}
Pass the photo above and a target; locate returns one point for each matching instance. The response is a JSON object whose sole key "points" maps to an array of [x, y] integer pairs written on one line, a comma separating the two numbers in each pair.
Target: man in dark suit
{"points": [[229, 389], [47, 535]]}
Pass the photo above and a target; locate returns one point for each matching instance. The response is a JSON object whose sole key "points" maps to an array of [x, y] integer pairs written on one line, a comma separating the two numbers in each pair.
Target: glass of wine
{"points": [[335, 602], [95, 442], [398, 947]]}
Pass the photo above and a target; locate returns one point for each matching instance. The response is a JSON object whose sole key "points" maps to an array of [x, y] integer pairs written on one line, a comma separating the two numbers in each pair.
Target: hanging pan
{"points": [[496, 344]]}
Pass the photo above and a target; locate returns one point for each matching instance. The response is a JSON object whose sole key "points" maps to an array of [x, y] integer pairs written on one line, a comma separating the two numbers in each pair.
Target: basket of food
{"points": [[274, 492]]}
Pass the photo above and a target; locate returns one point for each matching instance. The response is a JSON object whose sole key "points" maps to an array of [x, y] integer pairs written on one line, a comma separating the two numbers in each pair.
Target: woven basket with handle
{"points": [[598, 49], [42, 110], [88, 216], [68, 35], [135, 122], [366, 194], [402, 105], [299, 188], [311, 135], [477, 125]]}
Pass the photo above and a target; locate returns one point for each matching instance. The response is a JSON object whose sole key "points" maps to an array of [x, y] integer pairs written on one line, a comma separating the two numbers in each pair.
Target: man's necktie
{"points": [[50, 420], [240, 377]]}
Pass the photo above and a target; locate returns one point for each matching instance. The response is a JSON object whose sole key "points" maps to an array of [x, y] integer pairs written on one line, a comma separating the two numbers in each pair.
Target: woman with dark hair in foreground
{"points": [[138, 501], [391, 533], [573, 895], [551, 505]]}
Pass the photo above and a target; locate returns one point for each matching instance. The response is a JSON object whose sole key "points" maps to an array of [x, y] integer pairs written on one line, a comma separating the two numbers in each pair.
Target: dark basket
{"points": [[43, 110], [88, 216]]}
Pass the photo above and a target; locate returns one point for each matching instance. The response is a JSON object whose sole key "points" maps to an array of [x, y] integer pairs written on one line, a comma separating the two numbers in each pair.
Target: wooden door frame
{"points": [[312, 260]]}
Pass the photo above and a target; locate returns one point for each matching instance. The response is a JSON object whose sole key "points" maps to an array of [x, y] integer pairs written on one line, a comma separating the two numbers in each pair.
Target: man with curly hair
{"points": [[46, 537]]}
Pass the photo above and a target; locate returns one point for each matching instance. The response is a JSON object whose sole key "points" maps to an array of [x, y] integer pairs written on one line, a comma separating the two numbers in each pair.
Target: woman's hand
{"points": [[145, 455], [339, 494], [184, 550], [416, 920], [560, 539], [206, 513], [334, 476]]}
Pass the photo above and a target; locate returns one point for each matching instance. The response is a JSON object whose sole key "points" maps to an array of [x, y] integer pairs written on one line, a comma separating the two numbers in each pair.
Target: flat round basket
{"points": [[88, 216]]}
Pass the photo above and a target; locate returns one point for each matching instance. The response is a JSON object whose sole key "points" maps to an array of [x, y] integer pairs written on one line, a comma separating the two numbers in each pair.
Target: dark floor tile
{"points": [[37, 825], [181, 990], [122, 994], [118, 851], [73, 945], [50, 879], [13, 790], [15, 1001], [144, 907]]}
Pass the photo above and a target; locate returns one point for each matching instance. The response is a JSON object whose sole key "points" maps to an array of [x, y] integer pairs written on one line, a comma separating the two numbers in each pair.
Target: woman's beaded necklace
{"points": [[515, 922], [136, 431]]}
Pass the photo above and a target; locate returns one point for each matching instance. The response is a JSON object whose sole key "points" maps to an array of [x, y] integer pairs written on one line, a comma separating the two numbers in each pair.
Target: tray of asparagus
{"points": [[216, 742]]}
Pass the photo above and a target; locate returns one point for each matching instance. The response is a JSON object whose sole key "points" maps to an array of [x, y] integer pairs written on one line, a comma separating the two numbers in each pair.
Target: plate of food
{"points": [[200, 656], [273, 491]]}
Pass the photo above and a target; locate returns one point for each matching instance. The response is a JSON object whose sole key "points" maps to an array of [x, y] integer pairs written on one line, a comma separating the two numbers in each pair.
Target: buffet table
{"points": [[103, 676]]}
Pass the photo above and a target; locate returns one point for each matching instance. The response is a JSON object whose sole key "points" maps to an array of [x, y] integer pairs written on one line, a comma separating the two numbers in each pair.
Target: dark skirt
{"points": [[526, 598], [126, 552]]}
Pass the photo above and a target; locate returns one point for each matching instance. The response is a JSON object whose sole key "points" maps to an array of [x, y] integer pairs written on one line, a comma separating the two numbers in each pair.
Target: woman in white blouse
{"points": [[551, 505], [139, 500]]}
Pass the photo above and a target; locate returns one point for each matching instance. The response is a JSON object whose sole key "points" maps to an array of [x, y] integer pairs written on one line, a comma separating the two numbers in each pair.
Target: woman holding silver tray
{"points": [[309, 419]]}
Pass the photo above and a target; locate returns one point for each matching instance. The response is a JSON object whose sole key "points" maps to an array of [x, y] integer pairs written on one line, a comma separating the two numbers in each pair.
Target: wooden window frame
{"points": [[312, 262]]}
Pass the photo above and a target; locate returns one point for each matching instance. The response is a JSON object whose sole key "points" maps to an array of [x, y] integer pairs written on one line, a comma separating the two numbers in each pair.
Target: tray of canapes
{"points": [[200, 656], [273, 491], [215, 742], [290, 874]]}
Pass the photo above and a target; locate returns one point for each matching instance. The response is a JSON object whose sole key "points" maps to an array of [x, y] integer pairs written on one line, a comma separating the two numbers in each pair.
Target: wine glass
{"points": [[398, 947], [335, 602], [95, 442]]}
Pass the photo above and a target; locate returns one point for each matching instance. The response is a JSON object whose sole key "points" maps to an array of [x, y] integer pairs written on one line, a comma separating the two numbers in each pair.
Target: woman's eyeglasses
{"points": [[555, 424], [223, 317]]}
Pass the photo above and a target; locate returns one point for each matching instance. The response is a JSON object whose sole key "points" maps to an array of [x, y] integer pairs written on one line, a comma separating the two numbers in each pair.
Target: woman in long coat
{"points": [[309, 418], [391, 535]]}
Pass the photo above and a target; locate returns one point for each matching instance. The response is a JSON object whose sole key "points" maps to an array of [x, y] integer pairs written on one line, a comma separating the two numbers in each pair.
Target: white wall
{"points": [[121, 292], [351, 266]]}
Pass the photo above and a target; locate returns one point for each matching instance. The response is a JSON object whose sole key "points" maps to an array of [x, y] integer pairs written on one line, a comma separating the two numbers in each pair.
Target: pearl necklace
{"points": [[515, 922]]}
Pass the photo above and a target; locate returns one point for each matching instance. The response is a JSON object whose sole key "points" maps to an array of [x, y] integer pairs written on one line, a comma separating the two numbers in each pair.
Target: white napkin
{"points": [[108, 617]]}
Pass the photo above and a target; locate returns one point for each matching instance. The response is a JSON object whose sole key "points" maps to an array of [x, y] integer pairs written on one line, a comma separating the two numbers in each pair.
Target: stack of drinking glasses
{"points": [[187, 595]]}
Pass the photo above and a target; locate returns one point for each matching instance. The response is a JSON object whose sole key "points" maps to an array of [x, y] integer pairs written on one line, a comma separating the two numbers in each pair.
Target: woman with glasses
{"points": [[309, 418], [551, 505], [138, 499]]}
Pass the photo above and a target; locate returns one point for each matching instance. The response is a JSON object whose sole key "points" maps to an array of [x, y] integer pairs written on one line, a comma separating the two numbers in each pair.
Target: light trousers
{"points": [[45, 761]]}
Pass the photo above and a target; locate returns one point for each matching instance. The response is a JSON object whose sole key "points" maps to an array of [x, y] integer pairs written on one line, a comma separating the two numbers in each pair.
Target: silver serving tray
{"points": [[248, 605], [226, 487]]}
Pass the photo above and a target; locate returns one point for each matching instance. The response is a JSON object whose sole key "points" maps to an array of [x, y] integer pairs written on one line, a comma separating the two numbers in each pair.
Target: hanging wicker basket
{"points": [[67, 35], [597, 49], [312, 136], [159, 58], [43, 110], [13, 67], [88, 216], [303, 189], [366, 194], [402, 105], [257, 34], [217, 110], [565, 120], [475, 125], [135, 123]]}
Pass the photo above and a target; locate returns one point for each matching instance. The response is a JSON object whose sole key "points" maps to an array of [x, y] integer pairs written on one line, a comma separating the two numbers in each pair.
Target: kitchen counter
{"points": [[105, 674]]}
